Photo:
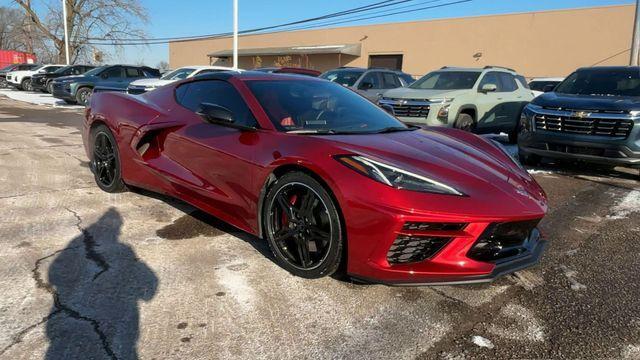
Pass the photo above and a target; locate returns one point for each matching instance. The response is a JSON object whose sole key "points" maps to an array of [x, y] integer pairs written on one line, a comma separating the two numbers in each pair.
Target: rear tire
{"points": [[465, 122], [302, 226], [105, 160]]}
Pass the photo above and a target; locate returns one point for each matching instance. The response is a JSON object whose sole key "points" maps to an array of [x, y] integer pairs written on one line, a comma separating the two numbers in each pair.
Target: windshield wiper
{"points": [[397, 129], [313, 132]]}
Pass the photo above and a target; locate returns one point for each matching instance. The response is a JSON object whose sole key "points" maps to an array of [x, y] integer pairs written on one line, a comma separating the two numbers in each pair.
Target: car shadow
{"points": [[96, 282]]}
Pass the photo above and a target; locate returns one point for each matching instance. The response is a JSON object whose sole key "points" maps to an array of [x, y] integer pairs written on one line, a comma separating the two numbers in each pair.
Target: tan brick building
{"points": [[548, 43]]}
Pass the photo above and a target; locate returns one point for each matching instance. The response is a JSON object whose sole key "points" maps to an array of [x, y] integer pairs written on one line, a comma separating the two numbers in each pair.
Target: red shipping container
{"points": [[8, 57]]}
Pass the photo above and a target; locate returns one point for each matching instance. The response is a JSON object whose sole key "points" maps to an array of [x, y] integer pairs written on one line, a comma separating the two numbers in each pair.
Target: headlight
{"points": [[441, 100], [395, 177], [443, 113]]}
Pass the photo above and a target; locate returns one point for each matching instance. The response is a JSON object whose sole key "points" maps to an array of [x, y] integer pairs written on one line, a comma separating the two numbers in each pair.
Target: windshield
{"points": [[8, 67], [95, 71], [178, 74], [603, 82], [320, 107], [343, 77], [540, 85], [447, 80]]}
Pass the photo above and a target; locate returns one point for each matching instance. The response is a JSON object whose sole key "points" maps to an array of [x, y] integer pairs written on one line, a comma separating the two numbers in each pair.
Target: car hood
{"points": [[408, 93], [151, 82], [464, 161], [588, 102]]}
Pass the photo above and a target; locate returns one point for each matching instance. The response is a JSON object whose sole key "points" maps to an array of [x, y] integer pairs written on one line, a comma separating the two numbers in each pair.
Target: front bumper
{"points": [[38, 83], [62, 91], [595, 147]]}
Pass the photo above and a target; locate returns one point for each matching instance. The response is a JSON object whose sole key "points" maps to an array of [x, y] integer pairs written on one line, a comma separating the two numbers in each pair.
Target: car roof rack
{"points": [[498, 67]]}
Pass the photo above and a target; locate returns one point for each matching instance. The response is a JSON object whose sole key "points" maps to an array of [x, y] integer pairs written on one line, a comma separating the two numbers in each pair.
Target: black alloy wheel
{"points": [[106, 162], [303, 227]]}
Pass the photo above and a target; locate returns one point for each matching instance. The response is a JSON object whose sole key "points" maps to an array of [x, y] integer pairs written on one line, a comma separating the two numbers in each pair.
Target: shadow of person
{"points": [[96, 282]]}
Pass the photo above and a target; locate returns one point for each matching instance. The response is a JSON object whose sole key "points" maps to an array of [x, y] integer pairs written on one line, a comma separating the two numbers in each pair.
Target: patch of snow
{"points": [[523, 325], [628, 205], [631, 352], [540, 172], [37, 98], [482, 342], [237, 287], [571, 276]]}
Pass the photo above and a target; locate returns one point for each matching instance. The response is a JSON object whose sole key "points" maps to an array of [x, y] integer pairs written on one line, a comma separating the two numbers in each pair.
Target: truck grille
{"points": [[417, 111], [611, 127]]}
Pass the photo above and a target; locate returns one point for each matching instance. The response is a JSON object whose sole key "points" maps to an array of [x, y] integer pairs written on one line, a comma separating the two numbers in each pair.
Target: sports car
{"points": [[331, 181]]}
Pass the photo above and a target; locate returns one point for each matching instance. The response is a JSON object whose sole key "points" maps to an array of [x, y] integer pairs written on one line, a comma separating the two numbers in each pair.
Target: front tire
{"points": [[49, 87], [465, 122], [83, 95], [105, 160], [302, 226]]}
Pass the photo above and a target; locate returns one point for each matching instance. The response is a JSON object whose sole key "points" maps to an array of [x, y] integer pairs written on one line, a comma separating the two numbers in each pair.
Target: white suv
{"points": [[22, 79]]}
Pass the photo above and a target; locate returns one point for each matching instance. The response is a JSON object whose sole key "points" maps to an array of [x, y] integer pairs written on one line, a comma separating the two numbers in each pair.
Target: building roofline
{"points": [[583, 8]]}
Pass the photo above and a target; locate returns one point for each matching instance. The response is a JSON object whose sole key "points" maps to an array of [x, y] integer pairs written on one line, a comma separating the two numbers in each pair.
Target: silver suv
{"points": [[370, 83], [484, 100]]}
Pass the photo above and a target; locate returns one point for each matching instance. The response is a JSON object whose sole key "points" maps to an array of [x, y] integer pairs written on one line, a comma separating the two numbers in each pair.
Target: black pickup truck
{"points": [[592, 116]]}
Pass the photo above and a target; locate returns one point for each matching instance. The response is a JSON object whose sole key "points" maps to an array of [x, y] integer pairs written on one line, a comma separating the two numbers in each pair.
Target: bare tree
{"points": [[11, 29], [87, 20], [162, 66]]}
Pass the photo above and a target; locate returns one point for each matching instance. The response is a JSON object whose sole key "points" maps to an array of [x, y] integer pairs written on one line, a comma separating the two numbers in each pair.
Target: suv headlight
{"points": [[395, 177], [443, 113]]}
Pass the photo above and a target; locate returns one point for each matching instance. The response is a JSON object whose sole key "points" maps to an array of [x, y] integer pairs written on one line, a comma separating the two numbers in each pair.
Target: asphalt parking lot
{"points": [[136, 274]]}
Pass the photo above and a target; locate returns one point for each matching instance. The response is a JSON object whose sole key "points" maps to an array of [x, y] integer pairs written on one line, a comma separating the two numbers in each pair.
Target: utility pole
{"points": [[66, 30], [635, 44], [235, 34]]}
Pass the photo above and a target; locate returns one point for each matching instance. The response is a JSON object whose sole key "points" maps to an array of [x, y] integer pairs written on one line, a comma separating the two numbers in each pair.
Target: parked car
{"points": [[144, 85], [44, 81], [592, 116], [479, 100], [14, 67], [540, 86], [289, 70], [22, 79], [370, 83], [297, 160], [78, 88]]}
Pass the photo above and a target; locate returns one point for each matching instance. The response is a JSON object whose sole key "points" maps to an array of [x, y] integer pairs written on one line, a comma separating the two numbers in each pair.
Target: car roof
{"points": [[609, 68], [547, 79]]}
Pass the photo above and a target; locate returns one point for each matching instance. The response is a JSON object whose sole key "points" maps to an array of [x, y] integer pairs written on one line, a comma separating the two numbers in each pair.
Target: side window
{"points": [[522, 81], [390, 81], [193, 94], [370, 78], [115, 72], [491, 78], [508, 82], [134, 73], [76, 70]]}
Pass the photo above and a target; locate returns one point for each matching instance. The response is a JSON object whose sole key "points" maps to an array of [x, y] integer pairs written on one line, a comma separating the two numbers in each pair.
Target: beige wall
{"points": [[551, 43]]}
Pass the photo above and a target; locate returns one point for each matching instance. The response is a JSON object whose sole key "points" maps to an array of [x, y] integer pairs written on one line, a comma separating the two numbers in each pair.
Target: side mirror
{"points": [[548, 88], [487, 88], [365, 85], [215, 114]]}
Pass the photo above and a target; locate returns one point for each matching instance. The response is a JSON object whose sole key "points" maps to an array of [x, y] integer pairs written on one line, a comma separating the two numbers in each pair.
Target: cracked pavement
{"points": [[90, 275]]}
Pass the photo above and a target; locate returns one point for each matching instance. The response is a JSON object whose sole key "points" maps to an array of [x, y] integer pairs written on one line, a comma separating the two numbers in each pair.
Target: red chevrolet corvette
{"points": [[324, 175]]}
